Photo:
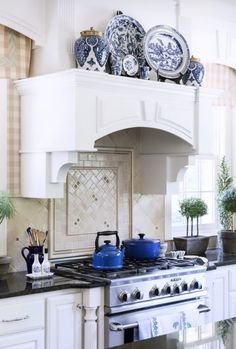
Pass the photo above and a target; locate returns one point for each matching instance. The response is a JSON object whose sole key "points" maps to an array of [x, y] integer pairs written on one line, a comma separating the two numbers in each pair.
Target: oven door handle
{"points": [[117, 327], [202, 308]]}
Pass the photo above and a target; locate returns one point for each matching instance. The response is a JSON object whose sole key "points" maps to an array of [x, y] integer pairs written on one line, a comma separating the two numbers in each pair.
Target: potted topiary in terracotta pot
{"points": [[7, 210], [228, 236], [192, 208]]}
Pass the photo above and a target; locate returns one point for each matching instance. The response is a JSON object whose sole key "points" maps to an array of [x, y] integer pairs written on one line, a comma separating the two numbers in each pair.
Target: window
{"points": [[199, 180]]}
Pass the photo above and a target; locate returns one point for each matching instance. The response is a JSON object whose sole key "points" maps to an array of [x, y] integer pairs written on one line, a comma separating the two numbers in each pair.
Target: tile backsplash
{"points": [[98, 196]]}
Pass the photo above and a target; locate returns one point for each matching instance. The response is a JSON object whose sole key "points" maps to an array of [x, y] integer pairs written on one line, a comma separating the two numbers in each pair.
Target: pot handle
{"points": [[106, 233]]}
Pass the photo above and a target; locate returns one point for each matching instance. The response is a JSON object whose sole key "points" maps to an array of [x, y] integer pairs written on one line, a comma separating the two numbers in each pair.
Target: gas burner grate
{"points": [[182, 263], [131, 267], [84, 266]]}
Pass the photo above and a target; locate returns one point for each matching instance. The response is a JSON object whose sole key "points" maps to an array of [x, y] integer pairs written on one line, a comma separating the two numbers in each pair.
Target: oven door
{"points": [[124, 328]]}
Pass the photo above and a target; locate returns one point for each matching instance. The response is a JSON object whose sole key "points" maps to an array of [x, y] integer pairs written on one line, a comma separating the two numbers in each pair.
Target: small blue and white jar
{"points": [[91, 50], [194, 74]]}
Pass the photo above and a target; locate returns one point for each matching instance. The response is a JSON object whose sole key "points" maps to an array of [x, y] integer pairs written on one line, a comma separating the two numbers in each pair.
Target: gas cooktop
{"points": [[130, 268]]}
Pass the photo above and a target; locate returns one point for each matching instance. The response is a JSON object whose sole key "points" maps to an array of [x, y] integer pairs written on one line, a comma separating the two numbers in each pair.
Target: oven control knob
{"points": [[184, 286], [176, 289], [123, 296], [166, 289], [137, 294], [154, 292], [195, 285]]}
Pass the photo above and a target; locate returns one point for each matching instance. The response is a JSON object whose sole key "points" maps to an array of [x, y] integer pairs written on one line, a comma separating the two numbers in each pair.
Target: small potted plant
{"points": [[224, 181], [7, 210], [228, 236], [192, 208]]}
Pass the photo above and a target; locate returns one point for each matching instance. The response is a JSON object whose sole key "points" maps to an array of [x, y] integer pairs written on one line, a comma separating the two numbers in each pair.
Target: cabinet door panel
{"points": [[218, 292], [64, 318], [24, 340]]}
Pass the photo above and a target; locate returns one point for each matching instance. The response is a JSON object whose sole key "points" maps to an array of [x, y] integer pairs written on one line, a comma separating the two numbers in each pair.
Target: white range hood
{"points": [[67, 112]]}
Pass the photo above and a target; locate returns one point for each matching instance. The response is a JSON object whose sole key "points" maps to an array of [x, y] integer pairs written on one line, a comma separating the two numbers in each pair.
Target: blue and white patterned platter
{"points": [[166, 51], [125, 36]]}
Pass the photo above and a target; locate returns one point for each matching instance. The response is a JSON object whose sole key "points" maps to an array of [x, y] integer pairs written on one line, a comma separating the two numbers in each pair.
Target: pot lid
{"points": [[142, 240], [91, 32]]}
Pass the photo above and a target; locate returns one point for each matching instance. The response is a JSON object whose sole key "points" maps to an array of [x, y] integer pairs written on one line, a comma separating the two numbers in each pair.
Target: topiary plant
{"points": [[192, 208], [7, 209], [228, 202], [224, 181]]}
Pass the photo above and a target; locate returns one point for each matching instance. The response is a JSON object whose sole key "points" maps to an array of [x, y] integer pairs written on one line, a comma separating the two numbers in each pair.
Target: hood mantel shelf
{"points": [[66, 112]]}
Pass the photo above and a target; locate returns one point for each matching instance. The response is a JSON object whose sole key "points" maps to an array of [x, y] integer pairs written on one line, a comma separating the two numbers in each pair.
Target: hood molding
{"points": [[65, 113]]}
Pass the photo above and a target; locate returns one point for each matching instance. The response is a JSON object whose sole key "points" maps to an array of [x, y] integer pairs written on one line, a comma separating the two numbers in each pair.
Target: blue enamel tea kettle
{"points": [[108, 256]]}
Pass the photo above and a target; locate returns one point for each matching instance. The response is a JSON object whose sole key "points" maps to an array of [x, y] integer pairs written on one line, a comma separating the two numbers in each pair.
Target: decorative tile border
{"points": [[98, 197]]}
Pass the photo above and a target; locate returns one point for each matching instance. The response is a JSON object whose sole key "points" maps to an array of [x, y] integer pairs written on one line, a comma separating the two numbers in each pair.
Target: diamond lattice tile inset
{"points": [[92, 197]]}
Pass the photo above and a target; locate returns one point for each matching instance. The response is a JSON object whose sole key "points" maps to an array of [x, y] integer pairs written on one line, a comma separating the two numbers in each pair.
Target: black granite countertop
{"points": [[217, 258], [17, 284]]}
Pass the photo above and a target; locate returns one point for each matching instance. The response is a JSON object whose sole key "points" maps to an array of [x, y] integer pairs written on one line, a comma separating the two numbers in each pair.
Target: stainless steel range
{"points": [[142, 290]]}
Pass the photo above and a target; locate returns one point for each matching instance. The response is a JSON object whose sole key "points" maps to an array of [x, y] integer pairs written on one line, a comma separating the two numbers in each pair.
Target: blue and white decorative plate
{"points": [[166, 51], [125, 36], [130, 65]]}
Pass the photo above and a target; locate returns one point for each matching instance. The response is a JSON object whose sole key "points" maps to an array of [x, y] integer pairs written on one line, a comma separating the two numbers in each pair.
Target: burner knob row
{"points": [[135, 295], [176, 289], [156, 292]]}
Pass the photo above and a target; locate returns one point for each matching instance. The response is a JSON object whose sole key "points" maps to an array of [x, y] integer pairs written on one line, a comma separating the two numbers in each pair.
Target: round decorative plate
{"points": [[125, 36], [130, 65], [166, 51]]}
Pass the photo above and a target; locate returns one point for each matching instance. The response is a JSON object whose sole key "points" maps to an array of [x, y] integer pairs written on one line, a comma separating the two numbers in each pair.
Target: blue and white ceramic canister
{"points": [[91, 50], [194, 74]]}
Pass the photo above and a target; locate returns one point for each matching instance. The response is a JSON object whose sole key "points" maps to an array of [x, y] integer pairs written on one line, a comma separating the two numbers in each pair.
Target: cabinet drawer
{"points": [[21, 314]]}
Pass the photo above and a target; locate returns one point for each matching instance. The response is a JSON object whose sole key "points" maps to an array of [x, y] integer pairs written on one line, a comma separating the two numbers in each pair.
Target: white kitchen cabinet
{"points": [[218, 291], [65, 319], [22, 323], [232, 291], [64, 322], [24, 340]]}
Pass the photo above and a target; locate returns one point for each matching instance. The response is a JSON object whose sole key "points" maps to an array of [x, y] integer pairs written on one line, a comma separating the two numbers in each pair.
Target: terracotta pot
{"points": [[195, 245], [228, 238]]}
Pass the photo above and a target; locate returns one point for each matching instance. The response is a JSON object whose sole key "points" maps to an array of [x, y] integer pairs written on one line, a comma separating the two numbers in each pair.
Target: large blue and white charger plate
{"points": [[166, 51], [125, 36]]}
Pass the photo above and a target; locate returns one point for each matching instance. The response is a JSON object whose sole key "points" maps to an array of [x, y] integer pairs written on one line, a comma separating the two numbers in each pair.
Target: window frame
{"points": [[173, 189]]}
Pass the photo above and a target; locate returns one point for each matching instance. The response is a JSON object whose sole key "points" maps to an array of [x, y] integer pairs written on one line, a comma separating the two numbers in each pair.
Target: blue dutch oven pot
{"points": [[142, 248], [108, 256]]}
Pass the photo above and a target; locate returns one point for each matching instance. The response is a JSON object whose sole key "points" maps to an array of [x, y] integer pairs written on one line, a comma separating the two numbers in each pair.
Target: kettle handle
{"points": [[23, 254], [106, 233]]}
